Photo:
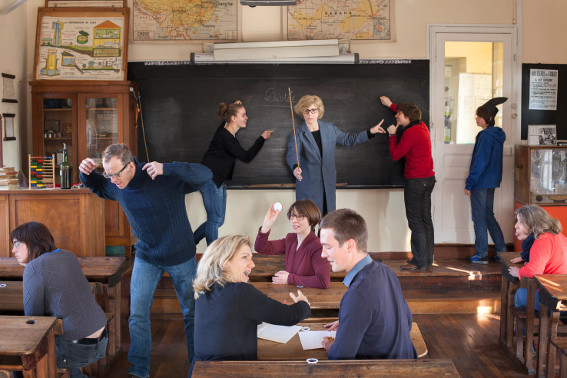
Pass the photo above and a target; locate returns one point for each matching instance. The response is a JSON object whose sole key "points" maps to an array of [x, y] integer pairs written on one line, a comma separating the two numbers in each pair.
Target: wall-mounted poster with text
{"points": [[81, 45]]}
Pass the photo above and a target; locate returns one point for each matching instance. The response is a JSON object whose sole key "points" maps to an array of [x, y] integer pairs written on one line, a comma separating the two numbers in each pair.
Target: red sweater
{"points": [[305, 265], [415, 146], [548, 255]]}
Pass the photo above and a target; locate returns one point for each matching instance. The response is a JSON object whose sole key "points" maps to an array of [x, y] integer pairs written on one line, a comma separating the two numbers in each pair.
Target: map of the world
{"points": [[182, 19], [340, 19]]}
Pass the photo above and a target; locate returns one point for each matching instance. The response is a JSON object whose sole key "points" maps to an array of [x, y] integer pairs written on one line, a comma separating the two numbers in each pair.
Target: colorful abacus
{"points": [[42, 171]]}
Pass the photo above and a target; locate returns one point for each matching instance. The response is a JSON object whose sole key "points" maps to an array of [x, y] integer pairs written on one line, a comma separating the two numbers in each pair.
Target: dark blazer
{"points": [[319, 173]]}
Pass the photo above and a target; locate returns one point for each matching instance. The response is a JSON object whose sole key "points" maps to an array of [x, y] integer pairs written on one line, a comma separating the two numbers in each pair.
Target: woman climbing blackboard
{"points": [[220, 158]]}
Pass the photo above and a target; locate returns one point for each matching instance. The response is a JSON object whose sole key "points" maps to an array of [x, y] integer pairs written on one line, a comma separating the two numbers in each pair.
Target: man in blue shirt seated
{"points": [[374, 318]]}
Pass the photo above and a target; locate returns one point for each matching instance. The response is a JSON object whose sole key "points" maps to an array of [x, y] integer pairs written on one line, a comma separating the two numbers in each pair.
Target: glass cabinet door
{"points": [[58, 128], [101, 123]]}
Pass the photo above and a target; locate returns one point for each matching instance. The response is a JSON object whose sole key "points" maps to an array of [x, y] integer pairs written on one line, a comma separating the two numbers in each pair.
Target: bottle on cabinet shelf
{"points": [[65, 170]]}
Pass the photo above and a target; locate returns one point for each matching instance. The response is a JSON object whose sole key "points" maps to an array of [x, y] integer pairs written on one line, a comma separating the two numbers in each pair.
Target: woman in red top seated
{"points": [[304, 265], [548, 254]]}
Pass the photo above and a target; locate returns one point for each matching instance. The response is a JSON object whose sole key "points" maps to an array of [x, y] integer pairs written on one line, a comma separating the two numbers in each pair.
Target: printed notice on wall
{"points": [[543, 89]]}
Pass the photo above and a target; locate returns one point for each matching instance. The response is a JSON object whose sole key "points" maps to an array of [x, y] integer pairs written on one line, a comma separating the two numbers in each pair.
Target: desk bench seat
{"points": [[344, 368]]}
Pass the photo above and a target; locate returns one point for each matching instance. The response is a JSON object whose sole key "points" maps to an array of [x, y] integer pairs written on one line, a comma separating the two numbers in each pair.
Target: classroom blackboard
{"points": [[180, 101], [545, 117]]}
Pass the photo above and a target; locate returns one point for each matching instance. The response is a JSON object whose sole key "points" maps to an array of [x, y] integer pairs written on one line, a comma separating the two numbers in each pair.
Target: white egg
{"points": [[278, 206]]}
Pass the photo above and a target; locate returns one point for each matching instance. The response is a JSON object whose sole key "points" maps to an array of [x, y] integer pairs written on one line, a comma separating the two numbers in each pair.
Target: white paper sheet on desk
{"points": [[313, 339], [277, 333]]}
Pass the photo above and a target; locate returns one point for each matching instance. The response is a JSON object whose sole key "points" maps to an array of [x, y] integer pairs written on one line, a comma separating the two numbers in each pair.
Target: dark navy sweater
{"points": [[226, 320], [374, 318], [156, 209]]}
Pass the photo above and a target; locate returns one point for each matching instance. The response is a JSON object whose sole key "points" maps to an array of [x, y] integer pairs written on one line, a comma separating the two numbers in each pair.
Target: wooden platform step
{"points": [[453, 302]]}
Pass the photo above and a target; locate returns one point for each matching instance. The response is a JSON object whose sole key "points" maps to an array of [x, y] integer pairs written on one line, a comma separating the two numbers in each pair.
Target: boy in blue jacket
{"points": [[485, 175]]}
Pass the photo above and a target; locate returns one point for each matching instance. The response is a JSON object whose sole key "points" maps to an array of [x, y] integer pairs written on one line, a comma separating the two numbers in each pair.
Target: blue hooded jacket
{"points": [[485, 171]]}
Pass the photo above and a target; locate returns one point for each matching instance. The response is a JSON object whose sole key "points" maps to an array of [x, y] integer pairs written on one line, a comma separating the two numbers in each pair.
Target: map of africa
{"points": [[182, 19], [341, 19]]}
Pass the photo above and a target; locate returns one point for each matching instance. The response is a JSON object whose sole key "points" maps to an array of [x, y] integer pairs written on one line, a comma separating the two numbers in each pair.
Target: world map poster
{"points": [[183, 20], [339, 19]]}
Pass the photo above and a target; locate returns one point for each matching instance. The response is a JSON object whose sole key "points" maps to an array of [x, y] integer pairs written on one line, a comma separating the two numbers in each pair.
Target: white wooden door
{"points": [[460, 82]]}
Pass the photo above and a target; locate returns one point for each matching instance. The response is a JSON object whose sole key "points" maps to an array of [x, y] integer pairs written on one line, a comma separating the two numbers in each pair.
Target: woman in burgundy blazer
{"points": [[304, 265]]}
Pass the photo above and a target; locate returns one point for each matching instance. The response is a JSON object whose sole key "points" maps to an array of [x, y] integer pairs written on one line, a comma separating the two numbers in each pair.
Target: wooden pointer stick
{"points": [[293, 124]]}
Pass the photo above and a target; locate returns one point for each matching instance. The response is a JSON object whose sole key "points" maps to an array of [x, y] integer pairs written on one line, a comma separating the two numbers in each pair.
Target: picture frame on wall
{"points": [[542, 135], [8, 88], [88, 43], [9, 133]]}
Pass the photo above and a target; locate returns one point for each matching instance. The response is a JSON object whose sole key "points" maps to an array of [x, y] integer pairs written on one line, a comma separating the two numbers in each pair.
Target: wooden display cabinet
{"points": [[540, 175], [540, 178], [87, 116]]}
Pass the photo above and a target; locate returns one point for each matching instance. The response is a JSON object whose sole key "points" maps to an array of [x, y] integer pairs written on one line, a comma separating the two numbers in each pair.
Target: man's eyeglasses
{"points": [[312, 111], [115, 175], [17, 244], [296, 216]]}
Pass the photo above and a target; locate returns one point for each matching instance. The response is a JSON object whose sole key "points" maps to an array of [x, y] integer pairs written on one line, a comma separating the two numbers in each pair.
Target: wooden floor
{"points": [[471, 341]]}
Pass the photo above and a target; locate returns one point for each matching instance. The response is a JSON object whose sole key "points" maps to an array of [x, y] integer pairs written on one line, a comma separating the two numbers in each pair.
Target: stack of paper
{"points": [[8, 176], [277, 333], [313, 339]]}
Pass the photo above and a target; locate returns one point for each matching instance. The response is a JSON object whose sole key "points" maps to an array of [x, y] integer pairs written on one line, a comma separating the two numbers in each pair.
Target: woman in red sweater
{"points": [[304, 265], [548, 254]]}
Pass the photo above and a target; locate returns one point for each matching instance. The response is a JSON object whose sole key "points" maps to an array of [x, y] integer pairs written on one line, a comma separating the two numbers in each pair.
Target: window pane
{"points": [[473, 75]]}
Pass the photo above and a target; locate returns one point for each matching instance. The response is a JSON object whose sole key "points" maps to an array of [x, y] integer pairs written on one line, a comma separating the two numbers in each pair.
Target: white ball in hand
{"points": [[277, 206]]}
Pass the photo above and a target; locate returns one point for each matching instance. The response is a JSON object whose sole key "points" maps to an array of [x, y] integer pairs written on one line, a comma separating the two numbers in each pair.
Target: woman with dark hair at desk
{"points": [[304, 265], [316, 140], [548, 254], [54, 285], [220, 158], [228, 309]]}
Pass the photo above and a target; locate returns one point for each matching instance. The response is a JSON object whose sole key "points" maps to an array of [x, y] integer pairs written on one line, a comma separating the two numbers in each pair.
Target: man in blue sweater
{"points": [[153, 197], [374, 318]]}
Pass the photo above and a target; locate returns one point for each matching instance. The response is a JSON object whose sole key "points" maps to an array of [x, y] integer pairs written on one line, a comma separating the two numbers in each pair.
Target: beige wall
{"points": [[13, 55], [542, 34]]}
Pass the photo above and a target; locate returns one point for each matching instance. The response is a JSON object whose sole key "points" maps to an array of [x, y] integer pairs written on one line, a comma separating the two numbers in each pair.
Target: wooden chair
{"points": [[561, 345], [525, 325]]}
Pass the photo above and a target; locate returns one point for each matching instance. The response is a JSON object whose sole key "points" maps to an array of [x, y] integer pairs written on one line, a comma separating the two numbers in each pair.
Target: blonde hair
{"points": [[537, 220], [306, 101], [211, 267]]}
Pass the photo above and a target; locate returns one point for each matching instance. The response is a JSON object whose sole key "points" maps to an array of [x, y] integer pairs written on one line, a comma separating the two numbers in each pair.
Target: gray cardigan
{"points": [[319, 173], [54, 285]]}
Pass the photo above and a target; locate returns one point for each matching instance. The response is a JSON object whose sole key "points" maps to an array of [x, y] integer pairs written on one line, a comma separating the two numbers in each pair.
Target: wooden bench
{"points": [[292, 350], [335, 368]]}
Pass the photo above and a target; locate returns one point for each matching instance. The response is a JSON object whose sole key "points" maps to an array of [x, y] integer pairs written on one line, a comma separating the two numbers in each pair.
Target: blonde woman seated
{"points": [[304, 265], [228, 309], [548, 254]]}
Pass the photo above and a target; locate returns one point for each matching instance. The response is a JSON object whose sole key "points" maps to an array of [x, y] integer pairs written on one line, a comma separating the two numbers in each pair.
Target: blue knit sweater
{"points": [[156, 209]]}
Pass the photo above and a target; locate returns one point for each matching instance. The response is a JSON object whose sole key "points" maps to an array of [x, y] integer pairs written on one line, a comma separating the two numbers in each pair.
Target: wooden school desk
{"points": [[552, 294], [267, 265], [510, 285], [28, 343], [292, 350], [12, 296], [106, 270], [319, 299], [326, 368]]}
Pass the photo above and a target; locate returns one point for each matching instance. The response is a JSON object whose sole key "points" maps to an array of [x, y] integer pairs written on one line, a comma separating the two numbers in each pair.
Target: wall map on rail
{"points": [[180, 102]]}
